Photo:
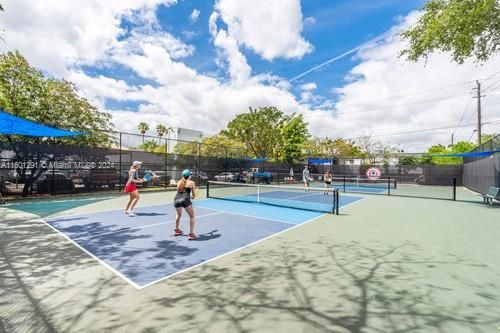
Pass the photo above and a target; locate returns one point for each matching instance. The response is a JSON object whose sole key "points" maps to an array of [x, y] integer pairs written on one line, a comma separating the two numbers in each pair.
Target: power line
{"points": [[409, 95], [398, 106], [463, 115], [450, 123], [485, 89], [433, 129], [494, 74], [470, 137]]}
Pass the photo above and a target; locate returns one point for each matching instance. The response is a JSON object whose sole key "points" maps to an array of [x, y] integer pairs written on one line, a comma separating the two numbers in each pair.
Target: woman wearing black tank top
{"points": [[185, 191]]}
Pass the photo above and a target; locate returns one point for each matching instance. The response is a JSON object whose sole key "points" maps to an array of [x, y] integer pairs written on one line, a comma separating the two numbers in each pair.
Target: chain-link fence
{"points": [[481, 173], [31, 169]]}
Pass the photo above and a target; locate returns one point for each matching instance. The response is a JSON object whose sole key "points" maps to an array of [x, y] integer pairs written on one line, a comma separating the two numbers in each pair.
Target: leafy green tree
{"points": [[375, 151], [257, 130], [462, 147], [149, 146], [26, 93], [327, 147], [143, 128], [465, 28], [459, 147], [214, 146], [487, 137], [267, 130], [293, 135], [409, 160]]}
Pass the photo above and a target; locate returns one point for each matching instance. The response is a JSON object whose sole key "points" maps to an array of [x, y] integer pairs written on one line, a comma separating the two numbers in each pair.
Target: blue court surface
{"points": [[143, 250]]}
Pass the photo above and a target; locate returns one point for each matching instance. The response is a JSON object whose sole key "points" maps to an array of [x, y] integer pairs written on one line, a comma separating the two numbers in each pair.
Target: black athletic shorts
{"points": [[182, 202]]}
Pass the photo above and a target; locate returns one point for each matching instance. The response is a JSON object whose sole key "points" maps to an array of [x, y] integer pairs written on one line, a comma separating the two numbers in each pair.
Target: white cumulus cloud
{"points": [[272, 29], [195, 14]]}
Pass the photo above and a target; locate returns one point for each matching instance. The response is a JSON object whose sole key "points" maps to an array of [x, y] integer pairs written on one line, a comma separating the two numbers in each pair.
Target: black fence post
{"points": [[198, 164], [454, 189], [165, 165], [389, 186], [120, 164], [225, 164], [53, 181]]}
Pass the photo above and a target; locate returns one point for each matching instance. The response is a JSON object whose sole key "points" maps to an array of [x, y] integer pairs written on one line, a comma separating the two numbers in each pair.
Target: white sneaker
{"points": [[131, 214]]}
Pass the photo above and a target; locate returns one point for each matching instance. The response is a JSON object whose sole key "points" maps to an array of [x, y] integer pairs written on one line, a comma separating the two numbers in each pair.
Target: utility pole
{"points": [[478, 96], [452, 134]]}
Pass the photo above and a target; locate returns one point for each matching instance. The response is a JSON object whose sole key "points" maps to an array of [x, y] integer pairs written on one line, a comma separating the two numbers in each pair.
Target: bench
{"points": [[492, 195]]}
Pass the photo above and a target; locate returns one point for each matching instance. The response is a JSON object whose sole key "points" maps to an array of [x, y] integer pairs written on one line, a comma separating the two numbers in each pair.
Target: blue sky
{"points": [[197, 64], [338, 26]]}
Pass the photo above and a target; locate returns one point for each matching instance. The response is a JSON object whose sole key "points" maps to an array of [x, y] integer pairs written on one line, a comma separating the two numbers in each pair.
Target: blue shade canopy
{"points": [[469, 154], [311, 160], [10, 124], [258, 159]]}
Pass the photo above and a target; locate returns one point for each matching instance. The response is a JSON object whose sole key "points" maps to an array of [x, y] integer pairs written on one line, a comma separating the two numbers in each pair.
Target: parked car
{"points": [[100, 177], [259, 176], [60, 183], [200, 177], [226, 177]]}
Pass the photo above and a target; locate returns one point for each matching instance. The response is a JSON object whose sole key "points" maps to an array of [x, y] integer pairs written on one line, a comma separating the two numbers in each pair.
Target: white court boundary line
{"points": [[90, 254], [93, 256], [136, 286], [139, 227], [247, 215], [58, 215], [245, 246], [230, 252]]}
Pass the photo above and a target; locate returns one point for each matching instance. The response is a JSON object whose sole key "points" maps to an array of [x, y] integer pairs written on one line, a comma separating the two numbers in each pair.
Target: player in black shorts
{"points": [[185, 191]]}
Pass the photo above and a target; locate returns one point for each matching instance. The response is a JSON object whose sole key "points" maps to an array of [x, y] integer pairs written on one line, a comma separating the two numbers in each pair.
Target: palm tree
{"points": [[161, 130], [143, 128]]}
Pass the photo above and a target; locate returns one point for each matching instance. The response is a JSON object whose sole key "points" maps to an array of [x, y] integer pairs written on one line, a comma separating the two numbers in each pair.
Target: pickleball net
{"points": [[314, 199]]}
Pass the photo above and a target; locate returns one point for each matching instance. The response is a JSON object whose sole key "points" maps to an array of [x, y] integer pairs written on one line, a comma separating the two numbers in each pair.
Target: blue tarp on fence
{"points": [[311, 160], [469, 154], [13, 125]]}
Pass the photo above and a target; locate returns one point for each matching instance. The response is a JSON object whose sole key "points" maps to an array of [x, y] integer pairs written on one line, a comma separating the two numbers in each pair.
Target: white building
{"points": [[178, 134]]}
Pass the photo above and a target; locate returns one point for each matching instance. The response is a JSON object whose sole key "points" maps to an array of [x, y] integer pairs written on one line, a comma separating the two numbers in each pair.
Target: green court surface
{"points": [[385, 264]]}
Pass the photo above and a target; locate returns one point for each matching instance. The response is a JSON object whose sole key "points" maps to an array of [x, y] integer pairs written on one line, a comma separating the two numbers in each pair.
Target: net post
{"points": [[334, 198], [337, 202], [395, 183], [454, 188], [344, 183], [389, 186], [208, 189]]}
